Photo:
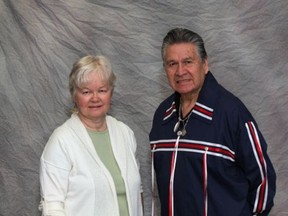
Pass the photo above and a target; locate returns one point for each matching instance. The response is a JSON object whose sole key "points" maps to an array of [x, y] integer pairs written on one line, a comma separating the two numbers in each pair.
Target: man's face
{"points": [[184, 68]]}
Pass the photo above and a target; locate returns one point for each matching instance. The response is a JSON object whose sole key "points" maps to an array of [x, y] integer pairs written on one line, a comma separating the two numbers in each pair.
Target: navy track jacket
{"points": [[220, 167]]}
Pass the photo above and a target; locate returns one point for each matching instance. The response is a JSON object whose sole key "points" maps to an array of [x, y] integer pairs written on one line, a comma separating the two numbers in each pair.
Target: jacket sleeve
{"points": [[55, 167], [255, 162], [134, 150]]}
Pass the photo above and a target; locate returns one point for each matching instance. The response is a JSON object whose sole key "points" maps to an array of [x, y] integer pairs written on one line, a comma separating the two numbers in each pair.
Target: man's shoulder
{"points": [[229, 99], [167, 103], [231, 106]]}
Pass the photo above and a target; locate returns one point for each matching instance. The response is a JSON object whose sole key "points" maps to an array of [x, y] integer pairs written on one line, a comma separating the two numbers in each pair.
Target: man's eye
{"points": [[187, 62], [171, 64]]}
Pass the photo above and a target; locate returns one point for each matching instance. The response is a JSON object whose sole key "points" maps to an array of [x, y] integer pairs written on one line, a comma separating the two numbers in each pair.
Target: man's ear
{"points": [[206, 65]]}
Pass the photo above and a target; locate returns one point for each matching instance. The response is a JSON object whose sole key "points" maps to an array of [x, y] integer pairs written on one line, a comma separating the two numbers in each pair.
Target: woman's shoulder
{"points": [[113, 120], [117, 124], [64, 131]]}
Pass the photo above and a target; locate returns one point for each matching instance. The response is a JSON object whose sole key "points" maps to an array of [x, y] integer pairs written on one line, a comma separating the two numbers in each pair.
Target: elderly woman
{"points": [[88, 166]]}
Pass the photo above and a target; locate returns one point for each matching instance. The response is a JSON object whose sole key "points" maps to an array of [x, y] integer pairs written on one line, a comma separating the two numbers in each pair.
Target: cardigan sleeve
{"points": [[55, 167], [133, 145]]}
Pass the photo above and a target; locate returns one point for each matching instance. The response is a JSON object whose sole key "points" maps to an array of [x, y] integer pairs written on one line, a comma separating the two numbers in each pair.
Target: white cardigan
{"points": [[75, 182]]}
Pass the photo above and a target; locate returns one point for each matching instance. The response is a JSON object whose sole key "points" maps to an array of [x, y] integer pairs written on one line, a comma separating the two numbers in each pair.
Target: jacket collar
{"points": [[204, 107]]}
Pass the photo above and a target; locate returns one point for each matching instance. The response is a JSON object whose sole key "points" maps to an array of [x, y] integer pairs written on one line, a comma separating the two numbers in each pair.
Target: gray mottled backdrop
{"points": [[247, 46]]}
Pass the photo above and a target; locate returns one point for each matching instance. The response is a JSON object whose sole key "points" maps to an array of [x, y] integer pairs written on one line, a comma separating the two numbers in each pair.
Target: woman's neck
{"points": [[98, 124]]}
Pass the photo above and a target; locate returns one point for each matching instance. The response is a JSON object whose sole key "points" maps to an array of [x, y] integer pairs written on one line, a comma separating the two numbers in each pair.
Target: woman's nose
{"points": [[95, 96]]}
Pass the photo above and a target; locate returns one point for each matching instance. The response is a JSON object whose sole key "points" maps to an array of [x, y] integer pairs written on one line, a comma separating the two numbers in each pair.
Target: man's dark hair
{"points": [[182, 35]]}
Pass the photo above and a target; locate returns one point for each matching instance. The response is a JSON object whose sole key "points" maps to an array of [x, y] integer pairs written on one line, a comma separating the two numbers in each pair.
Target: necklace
{"points": [[181, 124]]}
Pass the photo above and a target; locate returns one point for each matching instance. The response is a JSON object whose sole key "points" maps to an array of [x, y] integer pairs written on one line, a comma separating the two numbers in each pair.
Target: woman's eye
{"points": [[103, 90], [85, 92]]}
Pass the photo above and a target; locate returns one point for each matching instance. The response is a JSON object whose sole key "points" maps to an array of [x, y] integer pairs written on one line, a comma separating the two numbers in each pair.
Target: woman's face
{"points": [[93, 98]]}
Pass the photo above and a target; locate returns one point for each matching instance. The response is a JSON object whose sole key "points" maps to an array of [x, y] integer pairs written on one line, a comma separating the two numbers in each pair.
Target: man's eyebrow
{"points": [[170, 60]]}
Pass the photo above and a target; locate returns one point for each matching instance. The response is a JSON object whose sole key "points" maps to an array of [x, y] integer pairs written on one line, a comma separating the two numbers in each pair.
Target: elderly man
{"points": [[209, 157]]}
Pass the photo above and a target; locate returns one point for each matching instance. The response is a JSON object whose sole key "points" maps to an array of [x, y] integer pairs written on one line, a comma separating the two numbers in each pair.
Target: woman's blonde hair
{"points": [[87, 64]]}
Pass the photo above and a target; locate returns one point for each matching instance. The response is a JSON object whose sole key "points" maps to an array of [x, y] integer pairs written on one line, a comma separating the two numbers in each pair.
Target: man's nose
{"points": [[180, 70]]}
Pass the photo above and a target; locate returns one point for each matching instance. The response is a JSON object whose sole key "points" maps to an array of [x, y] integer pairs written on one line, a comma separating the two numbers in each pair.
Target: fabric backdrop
{"points": [[246, 43]]}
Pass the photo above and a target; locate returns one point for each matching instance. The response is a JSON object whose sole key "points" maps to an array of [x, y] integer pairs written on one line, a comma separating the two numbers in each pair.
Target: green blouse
{"points": [[102, 144]]}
